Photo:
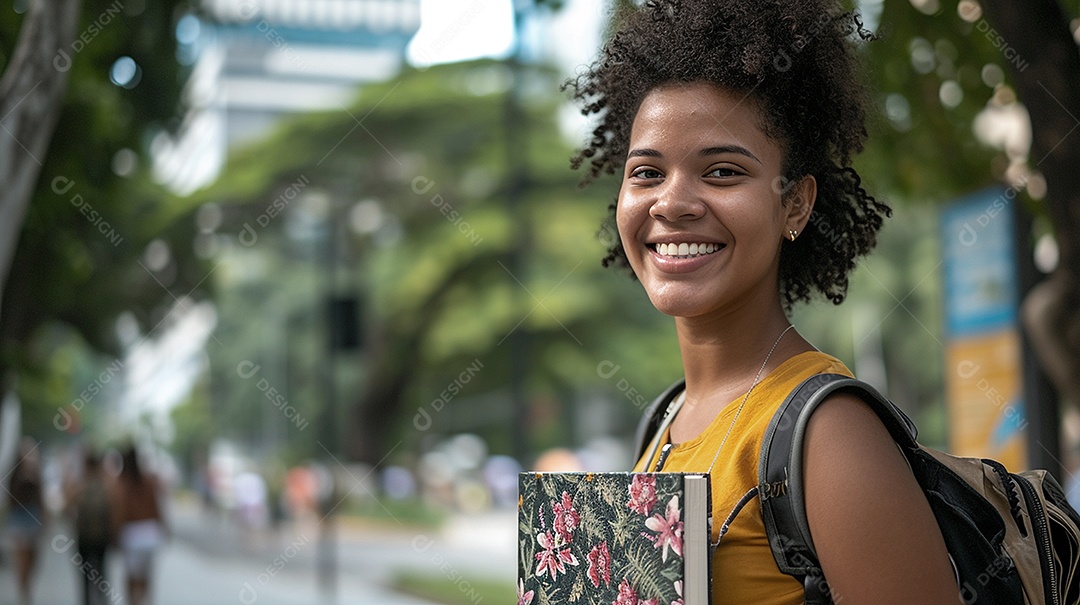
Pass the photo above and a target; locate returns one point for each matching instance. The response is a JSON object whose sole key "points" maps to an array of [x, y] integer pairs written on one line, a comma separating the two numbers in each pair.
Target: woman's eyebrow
{"points": [[739, 149], [722, 149]]}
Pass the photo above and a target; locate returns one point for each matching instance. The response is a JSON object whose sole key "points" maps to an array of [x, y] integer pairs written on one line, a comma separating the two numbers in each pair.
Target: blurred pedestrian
{"points": [[26, 516], [251, 500], [140, 525], [300, 488], [92, 516]]}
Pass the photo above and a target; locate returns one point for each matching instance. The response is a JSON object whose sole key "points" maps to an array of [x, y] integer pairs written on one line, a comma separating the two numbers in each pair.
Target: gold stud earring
{"points": [[792, 233]]}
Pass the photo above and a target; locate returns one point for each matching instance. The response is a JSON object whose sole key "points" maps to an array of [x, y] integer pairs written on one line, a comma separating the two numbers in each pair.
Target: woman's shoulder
{"points": [[801, 366], [866, 511], [818, 361]]}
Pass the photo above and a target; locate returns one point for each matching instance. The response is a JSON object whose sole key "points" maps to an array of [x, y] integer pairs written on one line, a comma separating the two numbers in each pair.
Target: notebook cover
{"points": [[602, 538]]}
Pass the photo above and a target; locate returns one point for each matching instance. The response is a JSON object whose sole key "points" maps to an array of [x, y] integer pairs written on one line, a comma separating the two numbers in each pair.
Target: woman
{"points": [[26, 516], [137, 515], [91, 516], [733, 125]]}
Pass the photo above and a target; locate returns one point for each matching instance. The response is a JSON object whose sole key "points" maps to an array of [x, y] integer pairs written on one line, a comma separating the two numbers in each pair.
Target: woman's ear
{"points": [[799, 203]]}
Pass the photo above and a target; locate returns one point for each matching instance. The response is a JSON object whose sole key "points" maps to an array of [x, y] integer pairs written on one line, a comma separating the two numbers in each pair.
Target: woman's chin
{"points": [[673, 306]]}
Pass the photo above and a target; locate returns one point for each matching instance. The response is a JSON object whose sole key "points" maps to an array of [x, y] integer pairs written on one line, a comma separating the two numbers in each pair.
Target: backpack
{"points": [[1013, 538], [92, 515]]}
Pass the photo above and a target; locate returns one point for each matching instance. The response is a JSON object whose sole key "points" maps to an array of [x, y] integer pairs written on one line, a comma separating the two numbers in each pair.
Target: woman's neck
{"points": [[722, 356]]}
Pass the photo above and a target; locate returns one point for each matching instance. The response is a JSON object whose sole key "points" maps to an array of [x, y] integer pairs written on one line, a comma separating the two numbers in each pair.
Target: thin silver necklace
{"points": [[747, 396]]}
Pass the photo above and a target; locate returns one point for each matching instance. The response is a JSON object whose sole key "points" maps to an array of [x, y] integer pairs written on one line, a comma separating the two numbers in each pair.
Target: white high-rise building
{"points": [[258, 61]]}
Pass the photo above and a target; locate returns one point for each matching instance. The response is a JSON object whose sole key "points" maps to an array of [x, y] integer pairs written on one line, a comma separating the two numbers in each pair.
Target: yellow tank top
{"points": [[743, 567]]}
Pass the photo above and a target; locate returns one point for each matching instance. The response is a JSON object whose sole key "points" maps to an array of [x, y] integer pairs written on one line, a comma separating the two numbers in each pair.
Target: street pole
{"points": [[326, 563], [1041, 409]]}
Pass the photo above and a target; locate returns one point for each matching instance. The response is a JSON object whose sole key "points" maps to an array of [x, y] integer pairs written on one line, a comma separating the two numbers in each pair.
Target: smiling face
{"points": [[699, 211]]}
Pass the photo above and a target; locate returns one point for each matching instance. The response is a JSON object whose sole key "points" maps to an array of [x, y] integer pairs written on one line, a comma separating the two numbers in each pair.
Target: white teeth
{"points": [[686, 250]]}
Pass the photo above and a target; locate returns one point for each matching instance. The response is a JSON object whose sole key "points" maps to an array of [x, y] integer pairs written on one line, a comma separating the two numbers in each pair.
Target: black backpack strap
{"points": [[780, 472], [654, 414]]}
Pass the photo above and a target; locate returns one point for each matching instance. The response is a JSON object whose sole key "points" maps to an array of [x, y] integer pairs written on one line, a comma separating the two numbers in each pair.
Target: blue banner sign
{"points": [[979, 263]]}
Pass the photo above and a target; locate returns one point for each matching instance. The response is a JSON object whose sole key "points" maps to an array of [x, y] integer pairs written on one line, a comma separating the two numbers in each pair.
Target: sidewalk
{"points": [[212, 561], [476, 546], [210, 567]]}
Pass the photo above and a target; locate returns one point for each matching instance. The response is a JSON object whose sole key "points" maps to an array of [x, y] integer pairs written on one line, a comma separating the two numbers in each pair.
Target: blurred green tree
{"points": [[31, 91], [413, 181], [1042, 35], [429, 126], [946, 76], [94, 208]]}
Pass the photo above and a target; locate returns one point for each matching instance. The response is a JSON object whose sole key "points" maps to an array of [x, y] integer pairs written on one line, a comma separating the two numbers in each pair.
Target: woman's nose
{"points": [[677, 201]]}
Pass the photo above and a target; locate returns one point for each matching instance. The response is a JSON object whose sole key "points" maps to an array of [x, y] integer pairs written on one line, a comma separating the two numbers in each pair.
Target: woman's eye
{"points": [[646, 173], [723, 173]]}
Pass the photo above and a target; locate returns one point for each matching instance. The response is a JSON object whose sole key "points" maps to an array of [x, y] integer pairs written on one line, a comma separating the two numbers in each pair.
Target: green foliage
{"points": [[78, 258], [458, 591], [193, 423], [922, 152], [394, 514], [459, 261], [895, 297], [66, 386], [930, 155], [453, 264]]}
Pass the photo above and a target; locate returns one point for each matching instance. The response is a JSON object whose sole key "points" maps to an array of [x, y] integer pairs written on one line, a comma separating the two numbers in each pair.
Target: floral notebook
{"points": [[613, 538]]}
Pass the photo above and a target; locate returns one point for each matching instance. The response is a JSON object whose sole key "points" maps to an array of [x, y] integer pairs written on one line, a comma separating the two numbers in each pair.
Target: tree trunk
{"points": [[1045, 68], [369, 436], [396, 360], [31, 97], [1051, 318]]}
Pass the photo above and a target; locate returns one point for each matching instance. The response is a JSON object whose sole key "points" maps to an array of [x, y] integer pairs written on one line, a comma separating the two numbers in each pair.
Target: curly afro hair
{"points": [[797, 59]]}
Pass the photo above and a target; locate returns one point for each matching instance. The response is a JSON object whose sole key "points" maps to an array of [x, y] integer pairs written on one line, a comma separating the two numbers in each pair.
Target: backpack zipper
{"points": [[1038, 519]]}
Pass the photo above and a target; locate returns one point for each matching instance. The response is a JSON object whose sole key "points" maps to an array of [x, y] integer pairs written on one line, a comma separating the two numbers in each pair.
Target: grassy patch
{"points": [[454, 589], [395, 513]]}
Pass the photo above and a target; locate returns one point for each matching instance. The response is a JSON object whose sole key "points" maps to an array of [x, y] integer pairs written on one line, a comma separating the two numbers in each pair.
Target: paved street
{"points": [[210, 561]]}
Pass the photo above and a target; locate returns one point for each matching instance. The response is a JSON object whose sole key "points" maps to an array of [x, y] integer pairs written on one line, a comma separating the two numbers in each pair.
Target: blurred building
{"points": [[255, 62]]}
